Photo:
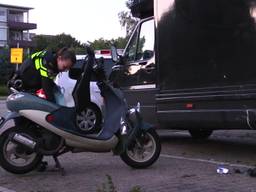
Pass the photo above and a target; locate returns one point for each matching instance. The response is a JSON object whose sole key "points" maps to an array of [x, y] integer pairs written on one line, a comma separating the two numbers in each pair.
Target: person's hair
{"points": [[67, 53]]}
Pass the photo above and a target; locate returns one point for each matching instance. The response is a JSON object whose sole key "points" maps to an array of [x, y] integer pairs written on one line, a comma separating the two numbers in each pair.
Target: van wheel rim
{"points": [[143, 150], [86, 120]]}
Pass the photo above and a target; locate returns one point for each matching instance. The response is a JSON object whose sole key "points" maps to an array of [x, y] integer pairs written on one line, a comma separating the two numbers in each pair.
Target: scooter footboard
{"points": [[5, 119]]}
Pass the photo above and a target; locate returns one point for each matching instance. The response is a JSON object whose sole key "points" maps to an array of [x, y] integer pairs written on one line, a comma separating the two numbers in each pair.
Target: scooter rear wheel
{"points": [[16, 158], [144, 152]]}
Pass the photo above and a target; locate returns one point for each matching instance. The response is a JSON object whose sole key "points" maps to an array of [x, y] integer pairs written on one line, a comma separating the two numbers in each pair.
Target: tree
{"points": [[41, 42], [5, 67], [120, 42], [127, 20], [56, 42], [101, 43]]}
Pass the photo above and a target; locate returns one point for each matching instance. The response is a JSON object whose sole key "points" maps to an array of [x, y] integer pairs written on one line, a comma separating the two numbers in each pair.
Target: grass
{"points": [[3, 90], [109, 186]]}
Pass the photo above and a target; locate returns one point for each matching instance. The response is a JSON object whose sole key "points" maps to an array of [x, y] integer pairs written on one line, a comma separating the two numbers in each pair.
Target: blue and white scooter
{"points": [[48, 129]]}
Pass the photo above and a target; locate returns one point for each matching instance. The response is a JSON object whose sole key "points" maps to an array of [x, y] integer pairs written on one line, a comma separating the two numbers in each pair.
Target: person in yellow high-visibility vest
{"points": [[40, 70]]}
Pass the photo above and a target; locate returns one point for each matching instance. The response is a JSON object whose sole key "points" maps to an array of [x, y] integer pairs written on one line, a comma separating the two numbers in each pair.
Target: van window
{"points": [[142, 48], [131, 49], [146, 41], [140, 69]]}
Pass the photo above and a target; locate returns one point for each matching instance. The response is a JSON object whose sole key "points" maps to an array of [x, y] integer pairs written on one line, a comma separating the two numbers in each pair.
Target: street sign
{"points": [[16, 55]]}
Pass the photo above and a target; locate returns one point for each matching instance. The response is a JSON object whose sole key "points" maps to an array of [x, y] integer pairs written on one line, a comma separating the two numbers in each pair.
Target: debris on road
{"points": [[252, 172], [187, 175], [222, 170]]}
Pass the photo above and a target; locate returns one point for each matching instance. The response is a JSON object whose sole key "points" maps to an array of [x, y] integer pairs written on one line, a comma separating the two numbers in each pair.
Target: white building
{"points": [[15, 26]]}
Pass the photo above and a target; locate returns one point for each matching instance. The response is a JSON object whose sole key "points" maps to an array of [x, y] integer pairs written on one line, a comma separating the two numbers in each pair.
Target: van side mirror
{"points": [[114, 54]]}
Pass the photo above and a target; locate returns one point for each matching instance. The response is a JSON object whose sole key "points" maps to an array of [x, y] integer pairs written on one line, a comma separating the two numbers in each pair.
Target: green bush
{"points": [[6, 68], [3, 90]]}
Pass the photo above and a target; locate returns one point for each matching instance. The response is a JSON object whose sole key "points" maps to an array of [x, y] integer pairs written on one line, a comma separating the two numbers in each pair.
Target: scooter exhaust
{"points": [[24, 141]]}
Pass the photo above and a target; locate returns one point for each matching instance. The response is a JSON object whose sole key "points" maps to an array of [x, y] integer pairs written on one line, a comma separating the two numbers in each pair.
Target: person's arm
{"points": [[48, 87]]}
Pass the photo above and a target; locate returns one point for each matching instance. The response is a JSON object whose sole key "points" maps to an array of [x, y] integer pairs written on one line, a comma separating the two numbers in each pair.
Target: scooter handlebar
{"points": [[14, 90], [90, 52]]}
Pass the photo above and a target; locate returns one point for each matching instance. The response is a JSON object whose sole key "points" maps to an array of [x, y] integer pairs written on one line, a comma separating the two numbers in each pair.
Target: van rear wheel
{"points": [[200, 134]]}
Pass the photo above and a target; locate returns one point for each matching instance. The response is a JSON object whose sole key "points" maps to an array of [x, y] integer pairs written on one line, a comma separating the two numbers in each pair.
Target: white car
{"points": [[89, 120]]}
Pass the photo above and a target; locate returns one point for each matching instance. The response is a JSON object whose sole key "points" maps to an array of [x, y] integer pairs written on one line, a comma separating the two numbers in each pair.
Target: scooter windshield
{"points": [[81, 92]]}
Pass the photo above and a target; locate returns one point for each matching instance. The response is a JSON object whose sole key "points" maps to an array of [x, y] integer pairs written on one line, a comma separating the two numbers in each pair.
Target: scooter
{"points": [[49, 129]]}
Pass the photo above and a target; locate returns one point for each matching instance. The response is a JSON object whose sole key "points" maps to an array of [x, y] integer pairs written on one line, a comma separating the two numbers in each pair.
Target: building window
{"points": [[3, 15], [3, 34], [15, 35], [16, 17]]}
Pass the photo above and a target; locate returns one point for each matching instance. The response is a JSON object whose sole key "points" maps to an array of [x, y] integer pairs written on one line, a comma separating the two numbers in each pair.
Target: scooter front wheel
{"points": [[16, 158], [144, 152]]}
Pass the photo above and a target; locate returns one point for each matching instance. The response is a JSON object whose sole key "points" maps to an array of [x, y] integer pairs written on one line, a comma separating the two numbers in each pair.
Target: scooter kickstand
{"points": [[58, 166]]}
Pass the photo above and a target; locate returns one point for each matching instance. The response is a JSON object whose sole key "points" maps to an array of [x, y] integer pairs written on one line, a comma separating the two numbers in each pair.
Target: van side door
{"points": [[138, 77]]}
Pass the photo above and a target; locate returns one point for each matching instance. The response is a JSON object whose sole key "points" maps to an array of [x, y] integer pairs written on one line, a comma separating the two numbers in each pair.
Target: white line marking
{"points": [[2, 189], [206, 161]]}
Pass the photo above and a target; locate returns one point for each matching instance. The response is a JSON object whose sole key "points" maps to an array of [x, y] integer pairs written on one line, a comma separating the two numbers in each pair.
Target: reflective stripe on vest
{"points": [[43, 73], [36, 54], [39, 63]]}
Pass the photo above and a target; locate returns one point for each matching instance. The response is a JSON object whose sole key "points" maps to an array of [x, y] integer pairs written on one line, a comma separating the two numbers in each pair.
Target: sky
{"points": [[83, 19]]}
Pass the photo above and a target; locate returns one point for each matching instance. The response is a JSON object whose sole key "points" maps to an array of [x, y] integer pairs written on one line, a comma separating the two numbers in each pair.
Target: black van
{"points": [[192, 64]]}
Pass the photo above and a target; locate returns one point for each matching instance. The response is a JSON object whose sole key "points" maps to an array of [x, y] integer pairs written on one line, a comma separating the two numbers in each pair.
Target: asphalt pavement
{"points": [[185, 165]]}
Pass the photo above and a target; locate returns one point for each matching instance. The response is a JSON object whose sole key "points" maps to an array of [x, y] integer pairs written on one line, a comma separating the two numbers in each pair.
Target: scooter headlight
{"points": [[132, 114], [123, 127], [135, 109]]}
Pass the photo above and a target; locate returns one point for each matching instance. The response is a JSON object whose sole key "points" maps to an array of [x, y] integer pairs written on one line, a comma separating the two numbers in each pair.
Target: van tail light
{"points": [[40, 93], [189, 105], [105, 52]]}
